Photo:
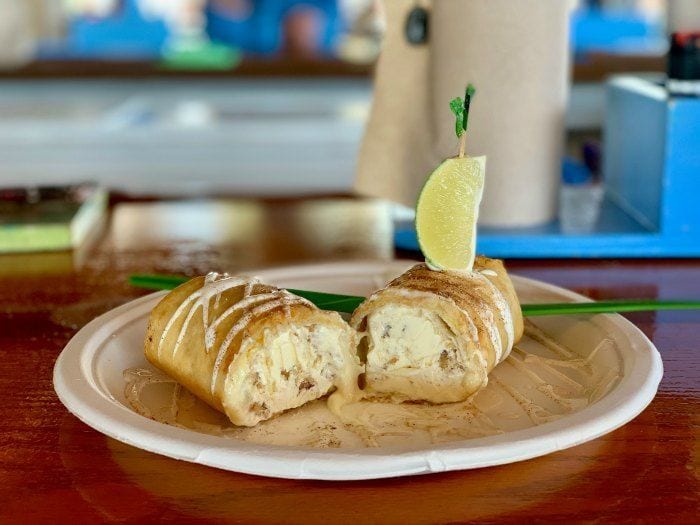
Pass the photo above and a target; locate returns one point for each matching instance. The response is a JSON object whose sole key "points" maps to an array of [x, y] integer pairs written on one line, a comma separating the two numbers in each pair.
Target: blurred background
{"points": [[189, 98], [183, 96]]}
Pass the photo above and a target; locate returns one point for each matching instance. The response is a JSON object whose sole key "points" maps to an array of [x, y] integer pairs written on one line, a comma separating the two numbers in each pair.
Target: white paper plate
{"points": [[88, 380]]}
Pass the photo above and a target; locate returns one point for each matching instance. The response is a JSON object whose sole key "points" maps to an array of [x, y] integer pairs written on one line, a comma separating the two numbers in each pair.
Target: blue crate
{"points": [[652, 173]]}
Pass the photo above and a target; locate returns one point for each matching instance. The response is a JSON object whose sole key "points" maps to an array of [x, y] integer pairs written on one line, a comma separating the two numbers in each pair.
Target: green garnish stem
{"points": [[348, 303], [469, 92]]}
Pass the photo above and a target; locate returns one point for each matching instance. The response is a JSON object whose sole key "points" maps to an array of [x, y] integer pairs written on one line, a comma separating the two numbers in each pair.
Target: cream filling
{"points": [[292, 366], [413, 355]]}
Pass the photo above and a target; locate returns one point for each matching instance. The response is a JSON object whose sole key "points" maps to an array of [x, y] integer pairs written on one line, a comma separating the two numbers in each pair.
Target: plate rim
{"points": [[108, 416]]}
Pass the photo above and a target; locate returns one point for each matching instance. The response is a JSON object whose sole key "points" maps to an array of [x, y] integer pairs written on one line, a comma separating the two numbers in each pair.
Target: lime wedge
{"points": [[447, 211]]}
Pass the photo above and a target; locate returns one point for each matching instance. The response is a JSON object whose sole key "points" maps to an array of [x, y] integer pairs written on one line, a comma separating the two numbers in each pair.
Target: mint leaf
{"points": [[457, 107]]}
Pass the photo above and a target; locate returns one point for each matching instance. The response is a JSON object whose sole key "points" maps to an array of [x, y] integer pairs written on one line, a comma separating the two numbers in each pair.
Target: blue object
{"points": [[125, 35], [595, 29], [262, 30], [652, 179], [573, 172]]}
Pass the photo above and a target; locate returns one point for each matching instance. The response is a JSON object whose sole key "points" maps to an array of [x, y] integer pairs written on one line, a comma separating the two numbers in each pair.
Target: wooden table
{"points": [[53, 468]]}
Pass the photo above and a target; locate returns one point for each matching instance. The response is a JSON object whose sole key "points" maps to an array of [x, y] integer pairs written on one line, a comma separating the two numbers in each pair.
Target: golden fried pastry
{"points": [[251, 350], [435, 335]]}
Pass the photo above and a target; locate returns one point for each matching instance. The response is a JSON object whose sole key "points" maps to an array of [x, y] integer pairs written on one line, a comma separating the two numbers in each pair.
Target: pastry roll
{"points": [[251, 350], [435, 335]]}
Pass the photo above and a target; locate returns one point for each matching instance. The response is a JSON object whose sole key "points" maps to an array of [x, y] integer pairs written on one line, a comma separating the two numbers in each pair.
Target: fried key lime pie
{"points": [[432, 335], [251, 350], [435, 335]]}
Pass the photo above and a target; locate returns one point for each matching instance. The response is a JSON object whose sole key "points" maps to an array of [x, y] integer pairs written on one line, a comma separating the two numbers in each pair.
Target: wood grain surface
{"points": [[55, 469]]}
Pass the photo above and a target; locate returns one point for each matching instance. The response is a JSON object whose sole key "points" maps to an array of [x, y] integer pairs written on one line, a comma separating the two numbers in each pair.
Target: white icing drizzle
{"points": [[249, 287], [214, 285], [494, 334], [245, 302], [504, 309], [283, 298], [176, 315], [501, 304], [183, 328], [486, 316], [217, 301]]}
